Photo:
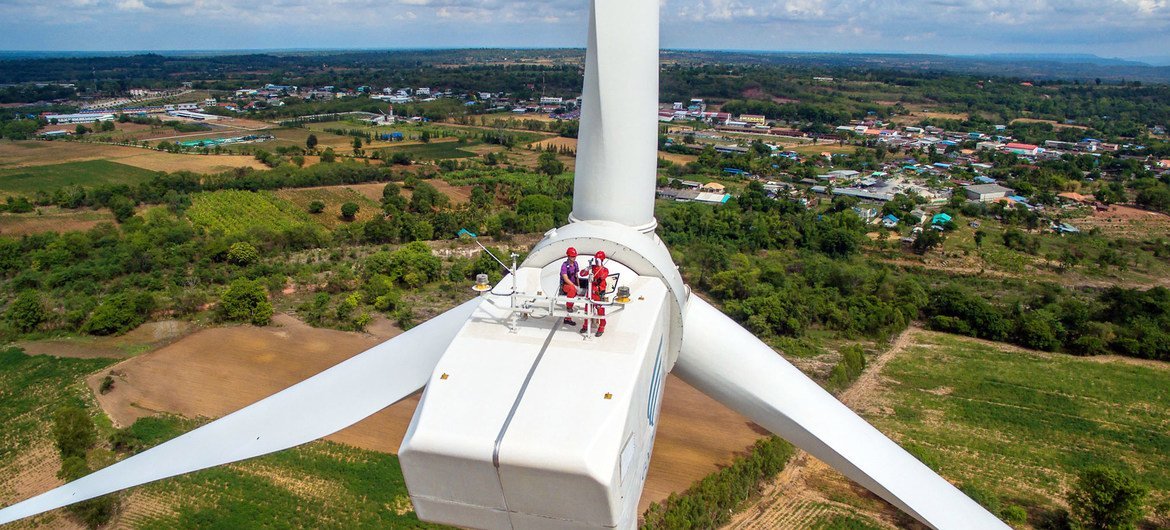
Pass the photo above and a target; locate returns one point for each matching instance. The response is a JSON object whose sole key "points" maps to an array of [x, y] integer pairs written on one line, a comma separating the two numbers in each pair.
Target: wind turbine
{"points": [[525, 423]]}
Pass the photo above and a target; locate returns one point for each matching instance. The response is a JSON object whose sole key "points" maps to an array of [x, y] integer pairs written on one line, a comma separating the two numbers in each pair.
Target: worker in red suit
{"points": [[598, 276], [570, 271]]}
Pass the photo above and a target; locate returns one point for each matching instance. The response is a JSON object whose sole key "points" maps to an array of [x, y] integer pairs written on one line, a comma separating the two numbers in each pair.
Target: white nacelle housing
{"points": [[533, 425]]}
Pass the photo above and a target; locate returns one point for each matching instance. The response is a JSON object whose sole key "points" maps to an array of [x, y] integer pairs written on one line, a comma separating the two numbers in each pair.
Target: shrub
{"points": [[118, 314], [73, 431], [412, 265], [27, 312], [349, 210], [316, 207], [709, 502], [245, 301], [107, 385], [1014, 514], [984, 496], [1106, 498], [243, 253]]}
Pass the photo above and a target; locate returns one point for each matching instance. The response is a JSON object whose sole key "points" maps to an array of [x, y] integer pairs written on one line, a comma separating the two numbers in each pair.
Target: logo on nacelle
{"points": [[655, 386]]}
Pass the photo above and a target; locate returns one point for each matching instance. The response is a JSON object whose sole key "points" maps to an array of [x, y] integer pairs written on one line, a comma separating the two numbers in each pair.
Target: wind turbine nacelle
{"points": [[527, 423]]}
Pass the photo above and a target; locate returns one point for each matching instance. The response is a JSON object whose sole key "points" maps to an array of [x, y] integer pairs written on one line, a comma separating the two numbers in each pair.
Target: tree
{"points": [[926, 241], [979, 235], [243, 253], [245, 301], [74, 431], [548, 164], [80, 129], [349, 210], [328, 157], [122, 207], [119, 313], [316, 207], [425, 137], [311, 142], [27, 312], [1106, 498]]}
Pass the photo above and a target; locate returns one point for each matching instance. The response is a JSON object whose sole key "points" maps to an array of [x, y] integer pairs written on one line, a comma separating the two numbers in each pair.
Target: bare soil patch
{"points": [[1054, 124], [52, 219], [37, 153], [677, 158], [1127, 221], [557, 143], [697, 437], [145, 337], [216, 371]]}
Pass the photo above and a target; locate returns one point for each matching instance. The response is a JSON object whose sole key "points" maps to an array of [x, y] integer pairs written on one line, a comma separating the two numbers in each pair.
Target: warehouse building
{"points": [[987, 192], [85, 117]]}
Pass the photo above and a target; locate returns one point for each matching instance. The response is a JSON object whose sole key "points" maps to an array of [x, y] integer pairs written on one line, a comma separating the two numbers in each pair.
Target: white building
{"points": [[87, 117]]}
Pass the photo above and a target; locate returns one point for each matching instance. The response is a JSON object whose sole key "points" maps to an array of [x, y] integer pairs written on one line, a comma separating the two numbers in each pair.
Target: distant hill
{"points": [[23, 66]]}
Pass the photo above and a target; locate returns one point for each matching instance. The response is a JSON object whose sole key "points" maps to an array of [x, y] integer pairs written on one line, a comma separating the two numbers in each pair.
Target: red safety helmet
{"points": [[600, 255], [572, 252]]}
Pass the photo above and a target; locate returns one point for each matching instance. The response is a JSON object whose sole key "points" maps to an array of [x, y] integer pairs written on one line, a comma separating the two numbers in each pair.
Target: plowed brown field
{"points": [[216, 371]]}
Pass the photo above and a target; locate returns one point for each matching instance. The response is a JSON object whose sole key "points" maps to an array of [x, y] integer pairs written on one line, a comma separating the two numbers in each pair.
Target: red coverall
{"points": [[600, 275]]}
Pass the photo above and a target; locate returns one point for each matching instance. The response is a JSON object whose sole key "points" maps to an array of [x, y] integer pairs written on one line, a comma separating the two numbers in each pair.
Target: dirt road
{"points": [[795, 499]]}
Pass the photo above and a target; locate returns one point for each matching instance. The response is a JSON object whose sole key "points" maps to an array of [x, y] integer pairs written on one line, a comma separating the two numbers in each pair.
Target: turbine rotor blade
{"points": [[617, 147], [728, 363], [316, 407]]}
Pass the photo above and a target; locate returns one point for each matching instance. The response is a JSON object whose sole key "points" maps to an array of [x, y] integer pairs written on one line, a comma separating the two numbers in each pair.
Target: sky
{"points": [[1108, 28]]}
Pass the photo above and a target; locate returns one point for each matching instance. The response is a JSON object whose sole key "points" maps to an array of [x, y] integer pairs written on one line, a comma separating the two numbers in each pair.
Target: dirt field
{"points": [[918, 113], [143, 338], [1126, 221], [198, 376], [677, 158], [52, 219], [35, 153], [1054, 124], [557, 142]]}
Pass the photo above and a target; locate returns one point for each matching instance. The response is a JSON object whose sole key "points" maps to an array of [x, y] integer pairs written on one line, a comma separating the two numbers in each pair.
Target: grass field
{"points": [[31, 386], [319, 485], [28, 180], [333, 197], [434, 150], [236, 212], [1023, 424], [52, 219]]}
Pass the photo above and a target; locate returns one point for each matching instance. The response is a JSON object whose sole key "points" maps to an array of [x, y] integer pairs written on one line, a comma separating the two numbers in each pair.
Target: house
{"points": [[1065, 228], [940, 219], [1070, 196], [1023, 149], [890, 221], [987, 192], [866, 214], [754, 119], [713, 187]]}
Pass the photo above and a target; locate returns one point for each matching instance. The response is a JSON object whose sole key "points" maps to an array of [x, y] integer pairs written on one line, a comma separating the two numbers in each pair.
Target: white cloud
{"points": [[1134, 27]]}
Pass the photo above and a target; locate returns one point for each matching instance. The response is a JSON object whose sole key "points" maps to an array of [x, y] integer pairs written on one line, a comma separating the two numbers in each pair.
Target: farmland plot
{"points": [[236, 212]]}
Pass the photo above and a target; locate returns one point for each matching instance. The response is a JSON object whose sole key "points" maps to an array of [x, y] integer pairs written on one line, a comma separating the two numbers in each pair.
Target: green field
{"points": [[28, 180], [31, 388], [433, 151], [318, 485], [1022, 424], [235, 212]]}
